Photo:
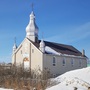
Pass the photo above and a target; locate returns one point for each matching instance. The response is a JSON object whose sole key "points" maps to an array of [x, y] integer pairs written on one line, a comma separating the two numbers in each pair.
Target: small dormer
{"points": [[42, 46], [83, 52]]}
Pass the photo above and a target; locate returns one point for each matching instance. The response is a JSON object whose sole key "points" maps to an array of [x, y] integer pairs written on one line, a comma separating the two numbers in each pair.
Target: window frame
{"points": [[72, 61], [54, 61], [64, 61], [21, 52], [80, 62], [32, 50]]}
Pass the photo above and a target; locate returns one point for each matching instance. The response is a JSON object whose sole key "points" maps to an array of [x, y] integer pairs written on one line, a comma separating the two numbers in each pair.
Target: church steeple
{"points": [[32, 29], [14, 46]]}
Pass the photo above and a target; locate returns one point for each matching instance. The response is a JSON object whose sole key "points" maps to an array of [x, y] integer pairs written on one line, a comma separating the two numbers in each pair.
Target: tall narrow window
{"points": [[72, 62], [32, 50], [64, 61], [54, 61], [80, 63], [21, 51]]}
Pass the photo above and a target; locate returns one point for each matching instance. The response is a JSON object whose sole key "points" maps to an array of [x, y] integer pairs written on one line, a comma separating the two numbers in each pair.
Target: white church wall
{"points": [[62, 63], [13, 58], [22, 53], [29, 51], [36, 58]]}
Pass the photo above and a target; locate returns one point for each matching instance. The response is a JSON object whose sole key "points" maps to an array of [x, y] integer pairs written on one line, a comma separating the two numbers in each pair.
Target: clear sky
{"points": [[62, 21]]}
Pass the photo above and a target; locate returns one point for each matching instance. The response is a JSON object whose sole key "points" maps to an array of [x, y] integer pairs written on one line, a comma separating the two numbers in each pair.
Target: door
{"points": [[26, 63]]}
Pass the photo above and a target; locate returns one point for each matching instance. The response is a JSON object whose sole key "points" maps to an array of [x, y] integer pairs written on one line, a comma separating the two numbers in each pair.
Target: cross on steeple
{"points": [[32, 5], [42, 36], [15, 40]]}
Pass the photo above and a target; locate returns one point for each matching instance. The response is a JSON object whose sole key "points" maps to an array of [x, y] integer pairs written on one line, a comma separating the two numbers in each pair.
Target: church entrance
{"points": [[26, 63]]}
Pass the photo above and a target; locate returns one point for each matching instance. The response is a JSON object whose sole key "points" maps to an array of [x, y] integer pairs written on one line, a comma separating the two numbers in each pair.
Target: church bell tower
{"points": [[32, 29]]}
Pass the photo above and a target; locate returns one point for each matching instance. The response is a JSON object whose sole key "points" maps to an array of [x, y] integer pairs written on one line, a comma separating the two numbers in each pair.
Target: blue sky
{"points": [[62, 21]]}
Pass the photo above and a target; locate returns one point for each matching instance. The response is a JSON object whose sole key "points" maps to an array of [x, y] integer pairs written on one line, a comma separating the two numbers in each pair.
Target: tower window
{"points": [[64, 61], [54, 61]]}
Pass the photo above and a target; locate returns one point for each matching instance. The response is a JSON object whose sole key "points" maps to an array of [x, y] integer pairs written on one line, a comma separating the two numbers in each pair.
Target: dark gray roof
{"points": [[64, 49], [61, 48]]}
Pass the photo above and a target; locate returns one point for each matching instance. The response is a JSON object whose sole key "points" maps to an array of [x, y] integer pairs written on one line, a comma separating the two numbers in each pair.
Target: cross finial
{"points": [[32, 5], [42, 36], [15, 40]]}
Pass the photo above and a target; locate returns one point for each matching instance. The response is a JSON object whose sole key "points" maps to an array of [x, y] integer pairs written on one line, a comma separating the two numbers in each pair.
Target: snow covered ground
{"points": [[73, 80]]}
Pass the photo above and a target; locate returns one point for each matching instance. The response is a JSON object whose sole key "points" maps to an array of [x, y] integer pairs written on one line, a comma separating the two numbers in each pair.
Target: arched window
{"points": [[64, 61], [54, 61], [21, 51], [80, 63], [72, 62]]}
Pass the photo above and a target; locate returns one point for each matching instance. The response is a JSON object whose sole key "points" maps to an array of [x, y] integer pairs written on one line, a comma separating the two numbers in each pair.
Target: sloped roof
{"points": [[60, 48], [63, 49]]}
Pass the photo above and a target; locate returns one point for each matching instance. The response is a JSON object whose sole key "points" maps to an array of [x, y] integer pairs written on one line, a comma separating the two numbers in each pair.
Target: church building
{"points": [[57, 58]]}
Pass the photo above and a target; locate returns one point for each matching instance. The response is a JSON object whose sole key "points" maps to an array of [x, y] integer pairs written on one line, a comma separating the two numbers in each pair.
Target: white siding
{"points": [[59, 68]]}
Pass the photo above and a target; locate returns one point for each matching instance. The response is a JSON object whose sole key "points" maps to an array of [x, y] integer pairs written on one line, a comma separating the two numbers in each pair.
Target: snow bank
{"points": [[79, 79]]}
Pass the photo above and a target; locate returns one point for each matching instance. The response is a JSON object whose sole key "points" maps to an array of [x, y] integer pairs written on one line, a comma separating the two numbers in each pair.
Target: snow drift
{"points": [[73, 80]]}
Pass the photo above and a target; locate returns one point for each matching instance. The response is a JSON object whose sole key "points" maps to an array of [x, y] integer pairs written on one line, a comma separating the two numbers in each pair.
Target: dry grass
{"points": [[18, 79]]}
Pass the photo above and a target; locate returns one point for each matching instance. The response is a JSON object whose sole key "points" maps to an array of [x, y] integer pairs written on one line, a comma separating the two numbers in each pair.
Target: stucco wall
{"points": [[13, 58], [22, 52], [36, 58], [28, 50]]}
